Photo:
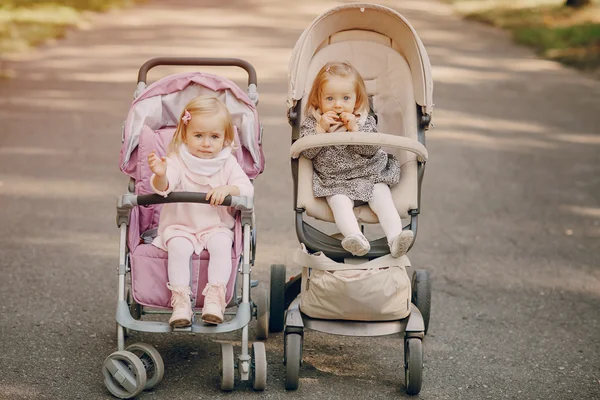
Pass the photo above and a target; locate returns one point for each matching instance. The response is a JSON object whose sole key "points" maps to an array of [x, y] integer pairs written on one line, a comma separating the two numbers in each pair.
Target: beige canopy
{"points": [[362, 17]]}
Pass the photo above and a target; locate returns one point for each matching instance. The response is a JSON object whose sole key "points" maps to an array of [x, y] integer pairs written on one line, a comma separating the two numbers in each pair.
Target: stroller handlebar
{"points": [[359, 138], [132, 200], [225, 62]]}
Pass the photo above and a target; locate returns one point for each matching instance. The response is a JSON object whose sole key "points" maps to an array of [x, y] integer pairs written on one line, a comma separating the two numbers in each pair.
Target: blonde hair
{"points": [[342, 70], [197, 107]]}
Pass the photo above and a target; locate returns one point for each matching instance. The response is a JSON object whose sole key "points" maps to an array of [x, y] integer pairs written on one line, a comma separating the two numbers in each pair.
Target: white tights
{"points": [[382, 205], [180, 251]]}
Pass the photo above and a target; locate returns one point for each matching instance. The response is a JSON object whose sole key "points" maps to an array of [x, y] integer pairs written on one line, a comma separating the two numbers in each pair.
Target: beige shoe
{"points": [[182, 306], [401, 243], [357, 244], [214, 303]]}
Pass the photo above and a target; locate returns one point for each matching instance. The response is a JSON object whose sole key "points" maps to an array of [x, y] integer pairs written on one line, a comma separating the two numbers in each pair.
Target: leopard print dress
{"points": [[351, 170]]}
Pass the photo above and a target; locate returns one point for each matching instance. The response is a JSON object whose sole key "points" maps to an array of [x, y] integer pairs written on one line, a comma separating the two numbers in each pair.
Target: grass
{"points": [[570, 36], [28, 23]]}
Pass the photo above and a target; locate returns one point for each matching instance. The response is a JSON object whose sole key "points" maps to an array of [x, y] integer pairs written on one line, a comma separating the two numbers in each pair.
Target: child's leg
{"points": [[382, 204], [219, 270], [354, 241], [219, 265], [343, 214], [180, 251]]}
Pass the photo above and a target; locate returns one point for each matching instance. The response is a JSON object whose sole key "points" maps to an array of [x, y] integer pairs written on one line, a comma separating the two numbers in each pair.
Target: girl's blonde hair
{"points": [[197, 107], [342, 70]]}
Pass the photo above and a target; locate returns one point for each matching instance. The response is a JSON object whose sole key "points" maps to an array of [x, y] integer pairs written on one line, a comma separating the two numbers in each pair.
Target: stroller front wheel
{"points": [[413, 365], [292, 358]]}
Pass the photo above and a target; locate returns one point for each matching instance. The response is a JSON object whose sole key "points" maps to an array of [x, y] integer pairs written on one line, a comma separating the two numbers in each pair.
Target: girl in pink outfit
{"points": [[199, 160]]}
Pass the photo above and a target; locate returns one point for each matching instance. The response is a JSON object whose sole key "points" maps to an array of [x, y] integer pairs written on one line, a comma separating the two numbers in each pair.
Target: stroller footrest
{"points": [[124, 318]]}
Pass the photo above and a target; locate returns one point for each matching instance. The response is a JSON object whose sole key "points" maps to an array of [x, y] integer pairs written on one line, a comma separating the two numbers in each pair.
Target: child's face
{"points": [[338, 95], [205, 136]]}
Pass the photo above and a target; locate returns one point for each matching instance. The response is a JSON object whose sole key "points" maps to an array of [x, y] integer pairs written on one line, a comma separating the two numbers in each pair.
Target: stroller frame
{"points": [[285, 309], [127, 374]]}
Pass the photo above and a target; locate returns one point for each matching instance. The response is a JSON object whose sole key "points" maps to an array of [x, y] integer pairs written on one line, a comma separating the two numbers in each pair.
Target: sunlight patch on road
{"points": [[21, 186], [480, 140], [32, 151], [582, 211]]}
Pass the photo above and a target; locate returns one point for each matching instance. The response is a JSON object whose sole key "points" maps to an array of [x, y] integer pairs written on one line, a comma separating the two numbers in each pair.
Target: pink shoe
{"points": [[182, 307], [214, 303]]}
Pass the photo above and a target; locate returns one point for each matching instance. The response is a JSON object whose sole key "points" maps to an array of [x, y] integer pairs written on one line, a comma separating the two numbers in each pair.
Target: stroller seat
{"points": [[389, 84]]}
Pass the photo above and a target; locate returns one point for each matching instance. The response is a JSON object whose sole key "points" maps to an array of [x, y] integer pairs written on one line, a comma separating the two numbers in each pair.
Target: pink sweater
{"points": [[196, 221]]}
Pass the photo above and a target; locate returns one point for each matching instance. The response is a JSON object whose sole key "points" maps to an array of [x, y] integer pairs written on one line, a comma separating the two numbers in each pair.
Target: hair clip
{"points": [[186, 117], [327, 69]]}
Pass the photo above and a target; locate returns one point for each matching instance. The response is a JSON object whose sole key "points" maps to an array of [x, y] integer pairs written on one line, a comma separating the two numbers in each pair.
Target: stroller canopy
{"points": [[367, 17], [161, 104]]}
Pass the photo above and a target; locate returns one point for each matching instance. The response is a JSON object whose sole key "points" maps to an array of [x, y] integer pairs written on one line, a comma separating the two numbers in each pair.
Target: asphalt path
{"points": [[510, 223]]}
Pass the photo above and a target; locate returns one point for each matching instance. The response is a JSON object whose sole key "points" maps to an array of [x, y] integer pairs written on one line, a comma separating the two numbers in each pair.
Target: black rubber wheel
{"points": [[413, 365], [277, 298], [421, 294], [292, 357]]}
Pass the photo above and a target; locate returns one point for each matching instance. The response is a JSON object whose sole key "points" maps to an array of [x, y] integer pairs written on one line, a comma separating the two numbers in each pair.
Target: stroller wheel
{"points": [[292, 357], [277, 298], [421, 294], [259, 366], [262, 316], [124, 374], [227, 367], [413, 365], [152, 361]]}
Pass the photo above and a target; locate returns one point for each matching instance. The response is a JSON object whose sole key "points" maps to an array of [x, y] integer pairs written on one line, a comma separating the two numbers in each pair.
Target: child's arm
{"points": [[309, 127], [365, 149], [159, 167], [166, 174], [238, 184]]}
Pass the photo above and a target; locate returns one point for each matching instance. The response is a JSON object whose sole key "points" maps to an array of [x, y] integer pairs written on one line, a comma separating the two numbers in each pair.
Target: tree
{"points": [[577, 3]]}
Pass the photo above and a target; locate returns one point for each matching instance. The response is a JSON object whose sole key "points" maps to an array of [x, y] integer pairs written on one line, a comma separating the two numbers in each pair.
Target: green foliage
{"points": [[27, 23], [545, 38]]}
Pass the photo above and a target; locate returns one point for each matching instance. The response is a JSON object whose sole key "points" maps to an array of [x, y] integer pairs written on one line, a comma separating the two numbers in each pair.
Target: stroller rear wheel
{"points": [[277, 298], [421, 294], [292, 357], [152, 361], [262, 316], [413, 365]]}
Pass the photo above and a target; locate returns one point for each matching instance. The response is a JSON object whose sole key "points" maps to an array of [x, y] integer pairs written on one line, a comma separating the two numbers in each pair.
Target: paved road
{"points": [[510, 228]]}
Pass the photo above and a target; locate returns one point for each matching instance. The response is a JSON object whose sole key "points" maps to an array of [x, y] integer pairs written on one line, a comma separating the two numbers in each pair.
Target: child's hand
{"points": [[157, 165], [328, 119], [218, 194], [349, 121]]}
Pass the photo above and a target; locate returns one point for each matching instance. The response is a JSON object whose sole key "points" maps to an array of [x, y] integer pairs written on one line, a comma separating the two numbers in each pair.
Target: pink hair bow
{"points": [[186, 117]]}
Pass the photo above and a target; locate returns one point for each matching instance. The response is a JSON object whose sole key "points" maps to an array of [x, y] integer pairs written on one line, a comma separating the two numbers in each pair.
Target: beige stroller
{"points": [[385, 49]]}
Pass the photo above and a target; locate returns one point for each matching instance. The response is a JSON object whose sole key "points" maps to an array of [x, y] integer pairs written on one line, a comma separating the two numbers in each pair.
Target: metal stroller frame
{"points": [[130, 370]]}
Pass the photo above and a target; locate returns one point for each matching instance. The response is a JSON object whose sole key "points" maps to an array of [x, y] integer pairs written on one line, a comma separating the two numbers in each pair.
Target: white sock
{"points": [[383, 206], [343, 214]]}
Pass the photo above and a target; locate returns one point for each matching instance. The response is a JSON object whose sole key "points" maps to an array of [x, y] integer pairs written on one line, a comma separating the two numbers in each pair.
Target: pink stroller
{"points": [[142, 267]]}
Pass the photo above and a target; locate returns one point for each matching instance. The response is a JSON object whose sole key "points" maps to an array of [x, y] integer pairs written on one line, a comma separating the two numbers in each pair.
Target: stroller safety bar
{"points": [[131, 200], [359, 138]]}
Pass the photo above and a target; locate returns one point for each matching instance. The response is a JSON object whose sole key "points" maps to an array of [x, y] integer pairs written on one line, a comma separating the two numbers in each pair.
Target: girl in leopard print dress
{"points": [[338, 102]]}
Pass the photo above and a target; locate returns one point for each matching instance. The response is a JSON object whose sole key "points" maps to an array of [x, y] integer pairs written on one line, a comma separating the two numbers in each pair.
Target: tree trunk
{"points": [[577, 3]]}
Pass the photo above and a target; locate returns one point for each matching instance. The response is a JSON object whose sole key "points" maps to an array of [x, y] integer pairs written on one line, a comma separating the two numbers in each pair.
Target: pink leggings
{"points": [[382, 205], [180, 251]]}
